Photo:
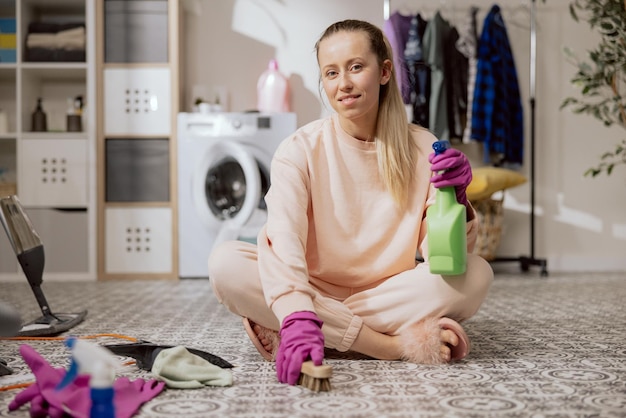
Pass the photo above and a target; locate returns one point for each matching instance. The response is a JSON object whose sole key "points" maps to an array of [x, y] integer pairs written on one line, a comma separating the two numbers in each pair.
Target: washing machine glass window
{"points": [[227, 185], [225, 188]]}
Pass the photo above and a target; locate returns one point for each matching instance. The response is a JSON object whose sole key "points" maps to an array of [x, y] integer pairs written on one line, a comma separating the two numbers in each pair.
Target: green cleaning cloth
{"points": [[180, 369]]}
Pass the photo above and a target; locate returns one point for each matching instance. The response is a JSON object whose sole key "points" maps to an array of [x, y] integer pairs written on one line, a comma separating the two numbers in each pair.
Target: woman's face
{"points": [[351, 76]]}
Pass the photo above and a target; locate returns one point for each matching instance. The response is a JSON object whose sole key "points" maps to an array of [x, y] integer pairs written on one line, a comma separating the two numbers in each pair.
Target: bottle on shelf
{"points": [[74, 114], [39, 120]]}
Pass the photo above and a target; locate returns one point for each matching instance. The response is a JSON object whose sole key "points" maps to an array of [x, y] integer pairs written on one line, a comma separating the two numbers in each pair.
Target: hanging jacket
{"points": [[419, 73], [497, 114], [455, 71], [396, 29], [467, 45], [437, 31]]}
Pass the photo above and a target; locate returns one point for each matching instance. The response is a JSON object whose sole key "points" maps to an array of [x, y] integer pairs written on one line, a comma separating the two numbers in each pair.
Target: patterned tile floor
{"points": [[552, 347]]}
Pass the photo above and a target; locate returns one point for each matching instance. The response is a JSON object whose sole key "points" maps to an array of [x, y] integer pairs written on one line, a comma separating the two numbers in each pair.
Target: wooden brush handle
{"points": [[324, 371]]}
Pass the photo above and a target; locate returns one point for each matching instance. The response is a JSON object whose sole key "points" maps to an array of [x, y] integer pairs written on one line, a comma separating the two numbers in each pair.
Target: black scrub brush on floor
{"points": [[29, 251]]}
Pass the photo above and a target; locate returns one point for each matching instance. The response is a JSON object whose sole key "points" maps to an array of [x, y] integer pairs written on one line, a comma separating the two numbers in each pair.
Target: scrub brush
{"points": [[315, 378]]}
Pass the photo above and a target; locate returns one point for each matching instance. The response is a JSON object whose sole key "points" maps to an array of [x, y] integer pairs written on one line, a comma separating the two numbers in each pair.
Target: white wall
{"points": [[580, 223]]}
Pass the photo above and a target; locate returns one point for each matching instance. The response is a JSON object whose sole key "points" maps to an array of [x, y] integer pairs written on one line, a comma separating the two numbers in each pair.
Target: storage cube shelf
{"points": [[53, 170], [137, 101], [135, 31], [128, 83], [64, 234], [138, 240], [54, 85], [53, 173], [137, 170]]}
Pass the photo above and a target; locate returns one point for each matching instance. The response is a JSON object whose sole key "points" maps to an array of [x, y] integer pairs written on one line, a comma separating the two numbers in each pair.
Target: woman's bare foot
{"points": [[264, 338], [448, 339], [434, 341]]}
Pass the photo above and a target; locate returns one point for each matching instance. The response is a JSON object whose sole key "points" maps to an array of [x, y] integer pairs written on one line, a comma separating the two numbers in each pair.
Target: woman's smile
{"points": [[349, 99]]}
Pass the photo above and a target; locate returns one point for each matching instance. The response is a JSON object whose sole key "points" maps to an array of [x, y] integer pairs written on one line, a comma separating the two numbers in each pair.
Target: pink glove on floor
{"points": [[74, 399], [452, 169], [301, 338], [45, 400], [130, 395]]}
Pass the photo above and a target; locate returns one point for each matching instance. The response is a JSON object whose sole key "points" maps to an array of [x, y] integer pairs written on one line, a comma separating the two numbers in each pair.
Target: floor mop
{"points": [[30, 254]]}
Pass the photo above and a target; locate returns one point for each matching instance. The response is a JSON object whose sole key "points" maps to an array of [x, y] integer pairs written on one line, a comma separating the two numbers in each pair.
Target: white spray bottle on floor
{"points": [[101, 365]]}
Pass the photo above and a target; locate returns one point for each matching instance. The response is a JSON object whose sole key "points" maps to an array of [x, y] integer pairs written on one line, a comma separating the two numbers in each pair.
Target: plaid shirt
{"points": [[497, 114]]}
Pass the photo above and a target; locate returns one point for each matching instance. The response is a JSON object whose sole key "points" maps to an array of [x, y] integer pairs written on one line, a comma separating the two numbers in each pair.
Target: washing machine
{"points": [[223, 176]]}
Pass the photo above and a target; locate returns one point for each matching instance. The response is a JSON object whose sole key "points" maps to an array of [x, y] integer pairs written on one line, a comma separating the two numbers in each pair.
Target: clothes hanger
{"points": [[519, 16], [405, 9], [448, 11]]}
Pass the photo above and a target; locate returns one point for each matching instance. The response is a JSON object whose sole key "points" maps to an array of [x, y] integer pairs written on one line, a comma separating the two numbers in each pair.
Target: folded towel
{"points": [[70, 39], [41, 40], [78, 33], [180, 369]]}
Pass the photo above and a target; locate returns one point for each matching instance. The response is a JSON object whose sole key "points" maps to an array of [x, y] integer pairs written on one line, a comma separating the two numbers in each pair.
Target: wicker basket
{"points": [[7, 189], [489, 215]]}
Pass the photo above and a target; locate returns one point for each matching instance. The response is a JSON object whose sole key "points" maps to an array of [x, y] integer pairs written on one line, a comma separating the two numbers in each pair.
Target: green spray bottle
{"points": [[446, 222]]}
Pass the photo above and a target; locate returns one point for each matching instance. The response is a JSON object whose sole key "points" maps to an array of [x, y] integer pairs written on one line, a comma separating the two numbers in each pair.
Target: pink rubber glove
{"points": [[452, 169], [301, 338], [130, 395], [45, 400], [74, 399]]}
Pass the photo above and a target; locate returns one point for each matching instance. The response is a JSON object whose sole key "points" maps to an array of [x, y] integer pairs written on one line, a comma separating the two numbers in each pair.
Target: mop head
{"points": [[51, 324]]}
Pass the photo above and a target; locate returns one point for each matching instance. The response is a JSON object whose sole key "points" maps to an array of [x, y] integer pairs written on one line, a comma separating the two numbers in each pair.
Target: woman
{"points": [[346, 215]]}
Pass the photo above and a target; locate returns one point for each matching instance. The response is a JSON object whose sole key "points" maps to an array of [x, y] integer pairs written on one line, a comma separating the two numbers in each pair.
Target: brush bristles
{"points": [[315, 378], [314, 384]]}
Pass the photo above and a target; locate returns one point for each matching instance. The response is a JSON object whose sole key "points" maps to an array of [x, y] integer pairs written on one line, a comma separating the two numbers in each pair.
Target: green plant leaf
{"points": [[601, 78]]}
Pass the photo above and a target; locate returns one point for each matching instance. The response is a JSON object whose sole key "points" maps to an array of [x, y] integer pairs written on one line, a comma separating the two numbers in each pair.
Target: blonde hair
{"points": [[394, 147]]}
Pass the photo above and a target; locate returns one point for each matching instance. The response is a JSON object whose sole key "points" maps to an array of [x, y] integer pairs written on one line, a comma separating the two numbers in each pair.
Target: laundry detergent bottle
{"points": [[273, 90], [446, 223]]}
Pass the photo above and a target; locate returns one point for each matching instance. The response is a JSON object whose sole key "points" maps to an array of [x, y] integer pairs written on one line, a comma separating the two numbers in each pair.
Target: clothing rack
{"points": [[529, 260]]}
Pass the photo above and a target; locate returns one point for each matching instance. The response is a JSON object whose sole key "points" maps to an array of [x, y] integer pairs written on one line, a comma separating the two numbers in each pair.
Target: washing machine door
{"points": [[226, 186]]}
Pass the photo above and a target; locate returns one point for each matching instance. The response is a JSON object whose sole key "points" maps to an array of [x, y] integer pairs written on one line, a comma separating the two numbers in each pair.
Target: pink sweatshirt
{"points": [[331, 219]]}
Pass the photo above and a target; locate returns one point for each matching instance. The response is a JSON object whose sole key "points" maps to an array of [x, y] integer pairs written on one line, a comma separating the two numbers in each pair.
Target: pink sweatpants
{"points": [[390, 307]]}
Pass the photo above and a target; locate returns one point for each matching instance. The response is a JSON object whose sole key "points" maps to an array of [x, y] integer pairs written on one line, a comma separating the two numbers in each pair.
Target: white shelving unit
{"points": [[138, 100], [54, 171]]}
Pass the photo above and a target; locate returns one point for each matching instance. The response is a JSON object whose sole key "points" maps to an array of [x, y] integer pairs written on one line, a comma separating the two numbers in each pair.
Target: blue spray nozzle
{"points": [[70, 342], [440, 146], [87, 358], [70, 375], [72, 372]]}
